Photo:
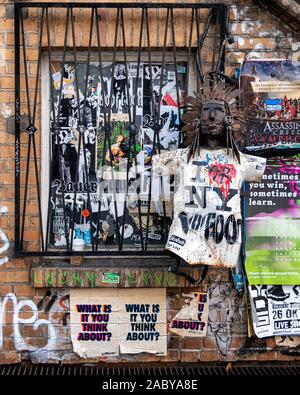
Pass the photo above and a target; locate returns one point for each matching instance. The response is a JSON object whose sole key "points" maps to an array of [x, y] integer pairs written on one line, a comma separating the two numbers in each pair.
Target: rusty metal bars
{"points": [[104, 129]]}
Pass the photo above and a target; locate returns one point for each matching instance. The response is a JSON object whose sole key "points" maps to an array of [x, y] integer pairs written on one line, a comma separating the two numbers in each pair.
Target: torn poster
{"points": [[107, 322], [272, 102], [192, 319], [207, 222], [275, 309]]}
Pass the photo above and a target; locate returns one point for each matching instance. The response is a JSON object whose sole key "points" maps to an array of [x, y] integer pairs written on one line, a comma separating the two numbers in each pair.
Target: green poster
{"points": [[273, 224]]}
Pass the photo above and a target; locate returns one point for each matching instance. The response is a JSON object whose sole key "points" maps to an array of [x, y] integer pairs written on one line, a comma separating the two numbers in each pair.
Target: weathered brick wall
{"points": [[257, 34]]}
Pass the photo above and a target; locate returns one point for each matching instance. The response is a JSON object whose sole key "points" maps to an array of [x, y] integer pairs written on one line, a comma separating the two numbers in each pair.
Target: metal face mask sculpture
{"points": [[212, 118]]}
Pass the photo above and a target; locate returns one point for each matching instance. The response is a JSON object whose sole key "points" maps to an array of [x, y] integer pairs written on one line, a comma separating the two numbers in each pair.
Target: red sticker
{"points": [[85, 213]]}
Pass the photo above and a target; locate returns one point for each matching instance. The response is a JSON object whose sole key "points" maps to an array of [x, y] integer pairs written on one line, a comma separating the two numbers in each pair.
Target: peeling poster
{"points": [[192, 319], [111, 322], [275, 310]]}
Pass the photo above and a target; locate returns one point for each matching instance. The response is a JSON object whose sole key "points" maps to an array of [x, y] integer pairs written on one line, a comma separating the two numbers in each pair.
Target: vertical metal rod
{"points": [[78, 123], [157, 132], [223, 24], [33, 135], [29, 135], [155, 118], [137, 174], [126, 65], [51, 136], [57, 142], [175, 64], [215, 39], [108, 128], [199, 47], [200, 40], [82, 135], [17, 127], [100, 195], [161, 75], [103, 129], [189, 59], [25, 70], [131, 140]]}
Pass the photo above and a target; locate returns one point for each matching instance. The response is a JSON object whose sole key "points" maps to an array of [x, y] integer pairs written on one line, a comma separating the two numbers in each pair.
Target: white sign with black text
{"points": [[275, 309]]}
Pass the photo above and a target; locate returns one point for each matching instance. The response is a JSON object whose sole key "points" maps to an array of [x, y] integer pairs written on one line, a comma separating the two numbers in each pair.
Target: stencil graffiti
{"points": [[224, 317]]}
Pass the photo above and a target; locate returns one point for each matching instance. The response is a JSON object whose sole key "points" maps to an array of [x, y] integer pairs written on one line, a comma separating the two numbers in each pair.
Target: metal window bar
{"points": [[197, 17]]}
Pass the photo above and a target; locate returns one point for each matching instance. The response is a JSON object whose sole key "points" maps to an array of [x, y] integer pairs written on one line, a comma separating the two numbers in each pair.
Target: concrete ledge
{"points": [[84, 277]]}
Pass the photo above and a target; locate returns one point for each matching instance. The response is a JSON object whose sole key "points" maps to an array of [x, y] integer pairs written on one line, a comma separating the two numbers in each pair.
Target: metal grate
{"points": [[160, 371], [87, 139]]}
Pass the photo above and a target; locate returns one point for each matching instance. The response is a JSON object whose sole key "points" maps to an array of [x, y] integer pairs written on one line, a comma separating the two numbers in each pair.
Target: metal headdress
{"points": [[212, 88]]}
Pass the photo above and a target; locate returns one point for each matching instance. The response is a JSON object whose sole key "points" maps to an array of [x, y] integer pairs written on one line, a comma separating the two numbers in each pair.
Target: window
{"points": [[114, 207], [104, 113]]}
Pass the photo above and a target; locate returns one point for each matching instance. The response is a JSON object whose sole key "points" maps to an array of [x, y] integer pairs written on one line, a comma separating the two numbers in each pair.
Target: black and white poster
{"points": [[106, 207], [275, 309]]}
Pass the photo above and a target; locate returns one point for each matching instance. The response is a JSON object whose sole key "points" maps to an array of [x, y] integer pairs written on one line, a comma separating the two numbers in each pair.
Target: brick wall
{"points": [[258, 34]]}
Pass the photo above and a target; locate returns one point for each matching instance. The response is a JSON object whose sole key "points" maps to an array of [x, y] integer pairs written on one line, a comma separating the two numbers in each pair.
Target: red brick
{"points": [[271, 342], [175, 342], [9, 357], [28, 331], [18, 264], [192, 343], [10, 39], [209, 356], [189, 356], [35, 341], [21, 276], [8, 330], [209, 343], [237, 342], [172, 356], [229, 356], [24, 290], [4, 289]]}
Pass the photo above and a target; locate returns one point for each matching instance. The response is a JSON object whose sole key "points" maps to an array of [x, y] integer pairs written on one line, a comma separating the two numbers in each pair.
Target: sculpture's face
{"points": [[212, 118]]}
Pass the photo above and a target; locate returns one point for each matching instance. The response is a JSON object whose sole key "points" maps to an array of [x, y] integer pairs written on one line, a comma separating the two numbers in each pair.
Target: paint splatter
{"points": [[221, 175]]}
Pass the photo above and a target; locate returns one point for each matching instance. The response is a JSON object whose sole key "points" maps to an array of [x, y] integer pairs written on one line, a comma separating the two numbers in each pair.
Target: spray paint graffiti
{"points": [[224, 315], [19, 342], [49, 300], [288, 345], [4, 239]]}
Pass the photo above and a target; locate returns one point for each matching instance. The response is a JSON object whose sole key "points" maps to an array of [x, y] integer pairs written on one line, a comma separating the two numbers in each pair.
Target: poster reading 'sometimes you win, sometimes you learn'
{"points": [[273, 224]]}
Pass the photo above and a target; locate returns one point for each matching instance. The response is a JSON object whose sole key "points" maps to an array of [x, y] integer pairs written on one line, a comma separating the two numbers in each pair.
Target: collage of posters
{"points": [[271, 99], [110, 174]]}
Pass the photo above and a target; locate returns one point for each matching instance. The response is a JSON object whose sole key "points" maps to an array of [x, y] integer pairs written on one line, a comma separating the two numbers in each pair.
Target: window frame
{"points": [[107, 56], [19, 251]]}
